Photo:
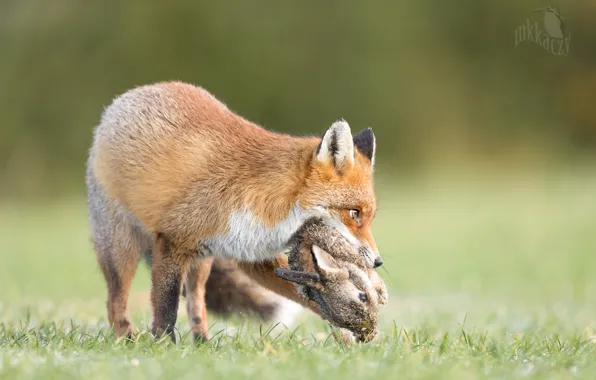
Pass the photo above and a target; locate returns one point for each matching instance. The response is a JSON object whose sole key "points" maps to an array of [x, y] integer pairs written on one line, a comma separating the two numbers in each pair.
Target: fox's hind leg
{"points": [[196, 280], [119, 267], [118, 241]]}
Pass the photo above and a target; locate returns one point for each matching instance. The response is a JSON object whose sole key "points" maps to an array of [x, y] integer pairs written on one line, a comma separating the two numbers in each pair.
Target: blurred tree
{"points": [[432, 79]]}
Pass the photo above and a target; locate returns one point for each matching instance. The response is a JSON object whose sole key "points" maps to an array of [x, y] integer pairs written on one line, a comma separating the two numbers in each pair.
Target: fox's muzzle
{"points": [[378, 262]]}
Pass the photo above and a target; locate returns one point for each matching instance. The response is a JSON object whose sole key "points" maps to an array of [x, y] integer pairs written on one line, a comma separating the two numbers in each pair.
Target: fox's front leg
{"points": [[264, 274], [196, 280], [169, 265]]}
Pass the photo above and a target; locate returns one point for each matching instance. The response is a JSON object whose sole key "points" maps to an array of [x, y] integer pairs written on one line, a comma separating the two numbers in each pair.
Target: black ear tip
{"points": [[367, 132], [365, 142]]}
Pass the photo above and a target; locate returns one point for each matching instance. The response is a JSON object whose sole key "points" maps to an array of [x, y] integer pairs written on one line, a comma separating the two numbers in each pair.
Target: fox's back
{"points": [[161, 147], [184, 165]]}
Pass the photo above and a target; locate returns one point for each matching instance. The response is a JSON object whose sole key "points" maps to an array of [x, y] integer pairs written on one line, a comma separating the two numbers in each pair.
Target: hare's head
{"points": [[344, 293]]}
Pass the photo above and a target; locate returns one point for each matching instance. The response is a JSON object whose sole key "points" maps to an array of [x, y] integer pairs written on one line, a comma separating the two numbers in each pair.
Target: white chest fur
{"points": [[248, 239]]}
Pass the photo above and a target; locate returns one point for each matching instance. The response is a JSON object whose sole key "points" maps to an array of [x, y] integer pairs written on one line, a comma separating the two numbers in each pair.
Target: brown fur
{"points": [[168, 167], [170, 262], [335, 277], [336, 287], [264, 274], [316, 232], [229, 290], [236, 287]]}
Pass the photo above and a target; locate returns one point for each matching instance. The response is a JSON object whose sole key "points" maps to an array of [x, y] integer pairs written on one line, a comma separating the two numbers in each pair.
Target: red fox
{"points": [[173, 170]]}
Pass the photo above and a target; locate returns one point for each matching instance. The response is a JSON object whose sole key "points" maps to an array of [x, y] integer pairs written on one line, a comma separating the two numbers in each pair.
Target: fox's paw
{"points": [[124, 329], [160, 333], [200, 335], [200, 332]]}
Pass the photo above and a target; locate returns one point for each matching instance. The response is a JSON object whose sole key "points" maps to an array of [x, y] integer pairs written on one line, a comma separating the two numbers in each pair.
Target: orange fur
{"points": [[172, 173], [196, 279], [351, 190], [171, 160]]}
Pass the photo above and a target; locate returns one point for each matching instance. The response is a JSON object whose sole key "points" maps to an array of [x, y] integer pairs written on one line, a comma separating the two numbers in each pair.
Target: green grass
{"points": [[488, 279]]}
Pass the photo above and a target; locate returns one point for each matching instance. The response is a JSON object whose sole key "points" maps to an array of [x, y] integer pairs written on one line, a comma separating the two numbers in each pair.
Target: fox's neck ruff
{"points": [[278, 174], [271, 212], [248, 239]]}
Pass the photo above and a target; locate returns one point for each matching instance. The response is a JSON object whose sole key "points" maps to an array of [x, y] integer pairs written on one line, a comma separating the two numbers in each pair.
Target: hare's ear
{"points": [[326, 266], [298, 277]]}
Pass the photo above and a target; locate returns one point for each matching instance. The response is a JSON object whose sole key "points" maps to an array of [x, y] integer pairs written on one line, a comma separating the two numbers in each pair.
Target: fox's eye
{"points": [[363, 297], [354, 214]]}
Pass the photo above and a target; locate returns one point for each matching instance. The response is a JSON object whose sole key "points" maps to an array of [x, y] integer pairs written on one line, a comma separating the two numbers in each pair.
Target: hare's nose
{"points": [[378, 262], [367, 336]]}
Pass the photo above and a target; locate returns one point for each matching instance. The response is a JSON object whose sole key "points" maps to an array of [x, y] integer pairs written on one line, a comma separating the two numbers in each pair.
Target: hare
{"points": [[343, 292], [317, 232], [336, 278]]}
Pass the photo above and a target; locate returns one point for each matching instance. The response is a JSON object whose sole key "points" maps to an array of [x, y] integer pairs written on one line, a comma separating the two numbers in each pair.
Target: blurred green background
{"points": [[443, 85], [486, 149], [486, 166]]}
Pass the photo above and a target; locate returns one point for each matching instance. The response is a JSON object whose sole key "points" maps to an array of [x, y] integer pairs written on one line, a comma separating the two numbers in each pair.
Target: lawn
{"points": [[489, 278]]}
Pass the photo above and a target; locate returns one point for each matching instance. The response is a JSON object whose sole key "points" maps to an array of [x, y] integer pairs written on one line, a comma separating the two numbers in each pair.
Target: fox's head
{"points": [[339, 185]]}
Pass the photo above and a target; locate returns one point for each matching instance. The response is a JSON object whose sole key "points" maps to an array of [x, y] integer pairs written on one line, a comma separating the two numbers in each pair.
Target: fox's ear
{"points": [[365, 142], [337, 146], [298, 277], [326, 266]]}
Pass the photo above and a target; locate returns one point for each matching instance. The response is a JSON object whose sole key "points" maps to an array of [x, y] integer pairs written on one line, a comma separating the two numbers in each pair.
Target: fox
{"points": [[172, 170]]}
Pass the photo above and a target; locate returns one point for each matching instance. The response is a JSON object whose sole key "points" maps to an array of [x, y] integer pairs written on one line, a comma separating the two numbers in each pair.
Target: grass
{"points": [[489, 278]]}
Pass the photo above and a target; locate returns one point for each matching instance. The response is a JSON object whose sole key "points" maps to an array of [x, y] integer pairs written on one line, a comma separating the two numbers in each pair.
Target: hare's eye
{"points": [[363, 297], [354, 214]]}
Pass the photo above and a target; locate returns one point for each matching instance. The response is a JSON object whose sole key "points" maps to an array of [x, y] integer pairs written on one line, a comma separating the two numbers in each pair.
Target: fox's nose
{"points": [[378, 262]]}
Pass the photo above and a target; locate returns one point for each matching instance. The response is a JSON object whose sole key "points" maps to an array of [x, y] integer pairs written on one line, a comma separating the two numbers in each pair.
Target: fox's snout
{"points": [[378, 262], [370, 255]]}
